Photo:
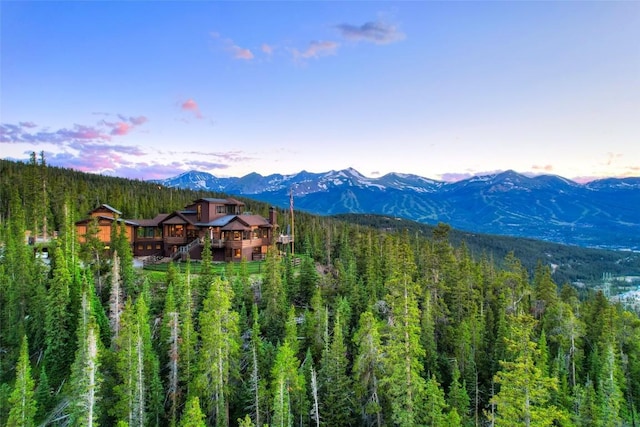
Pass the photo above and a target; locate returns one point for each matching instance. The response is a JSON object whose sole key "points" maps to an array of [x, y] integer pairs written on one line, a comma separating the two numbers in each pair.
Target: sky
{"points": [[443, 90]]}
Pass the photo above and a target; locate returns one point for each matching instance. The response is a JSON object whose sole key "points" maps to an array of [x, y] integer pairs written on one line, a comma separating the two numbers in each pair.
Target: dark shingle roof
{"points": [[151, 222]]}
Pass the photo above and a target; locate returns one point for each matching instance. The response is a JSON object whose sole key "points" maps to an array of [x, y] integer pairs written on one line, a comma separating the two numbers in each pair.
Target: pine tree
{"points": [[256, 383], [85, 371], [207, 275], [525, 390], [609, 394], [403, 383], [122, 246], [187, 306], [336, 403], [435, 404], [22, 401], [91, 251], [368, 369], [306, 282], [587, 408], [192, 416], [131, 391], [219, 351], [43, 394], [116, 299], [154, 394], [171, 337], [60, 348], [287, 384], [457, 398], [273, 296], [427, 333]]}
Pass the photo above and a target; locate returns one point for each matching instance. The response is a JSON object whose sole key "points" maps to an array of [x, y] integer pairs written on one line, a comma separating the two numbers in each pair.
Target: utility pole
{"points": [[292, 222]]}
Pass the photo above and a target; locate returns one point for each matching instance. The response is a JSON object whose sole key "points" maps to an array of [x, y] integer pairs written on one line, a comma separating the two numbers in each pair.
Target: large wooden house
{"points": [[234, 235]]}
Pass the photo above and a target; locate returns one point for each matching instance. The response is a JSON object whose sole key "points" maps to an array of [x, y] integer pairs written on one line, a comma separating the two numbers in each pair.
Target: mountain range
{"points": [[603, 213]]}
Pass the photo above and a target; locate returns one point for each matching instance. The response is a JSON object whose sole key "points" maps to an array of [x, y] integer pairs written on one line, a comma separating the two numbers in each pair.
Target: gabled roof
{"points": [[106, 207], [152, 222], [236, 225], [176, 218], [255, 220], [108, 218], [246, 220]]}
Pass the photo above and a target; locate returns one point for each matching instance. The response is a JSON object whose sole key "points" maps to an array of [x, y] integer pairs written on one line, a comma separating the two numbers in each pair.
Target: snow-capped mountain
{"points": [[603, 213]]}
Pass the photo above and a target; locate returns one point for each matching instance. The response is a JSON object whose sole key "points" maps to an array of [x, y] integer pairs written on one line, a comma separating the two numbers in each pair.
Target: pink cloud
{"points": [[266, 49], [121, 128], [241, 53], [546, 168], [317, 49], [192, 106], [84, 132], [229, 45]]}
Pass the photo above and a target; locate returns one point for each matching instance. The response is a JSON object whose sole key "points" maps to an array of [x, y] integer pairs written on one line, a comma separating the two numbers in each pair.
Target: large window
{"points": [[148, 232], [176, 230]]}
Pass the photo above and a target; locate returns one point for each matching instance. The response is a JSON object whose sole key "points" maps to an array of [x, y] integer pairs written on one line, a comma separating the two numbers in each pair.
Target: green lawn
{"points": [[254, 267]]}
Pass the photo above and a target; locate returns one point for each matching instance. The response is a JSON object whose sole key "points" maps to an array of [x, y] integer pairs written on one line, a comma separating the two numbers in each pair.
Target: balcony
{"points": [[175, 240], [236, 244], [285, 239]]}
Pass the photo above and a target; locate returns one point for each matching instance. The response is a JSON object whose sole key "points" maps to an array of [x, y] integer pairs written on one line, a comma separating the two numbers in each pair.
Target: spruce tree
{"points": [[403, 383], [368, 369], [193, 415], [435, 405], [22, 401], [131, 391], [59, 350], [458, 398], [274, 300], [525, 390], [218, 354], [336, 400], [85, 372]]}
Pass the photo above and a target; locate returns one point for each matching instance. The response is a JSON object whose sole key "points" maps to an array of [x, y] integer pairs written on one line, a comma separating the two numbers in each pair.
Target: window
{"points": [[176, 230], [139, 247], [199, 213], [220, 209], [148, 247], [237, 253], [158, 247], [146, 232]]}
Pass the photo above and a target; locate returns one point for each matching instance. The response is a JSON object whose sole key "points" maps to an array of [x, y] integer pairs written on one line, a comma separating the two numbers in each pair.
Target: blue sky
{"points": [[445, 90]]}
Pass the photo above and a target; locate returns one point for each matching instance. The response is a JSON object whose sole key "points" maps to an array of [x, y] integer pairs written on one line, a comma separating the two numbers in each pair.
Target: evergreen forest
{"points": [[358, 326]]}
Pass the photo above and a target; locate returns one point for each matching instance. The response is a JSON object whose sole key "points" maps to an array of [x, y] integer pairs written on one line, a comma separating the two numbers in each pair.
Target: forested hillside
{"points": [[361, 326], [570, 263]]}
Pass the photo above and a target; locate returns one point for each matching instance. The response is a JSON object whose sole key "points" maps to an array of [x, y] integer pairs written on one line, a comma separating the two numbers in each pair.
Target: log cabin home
{"points": [[233, 233]]}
